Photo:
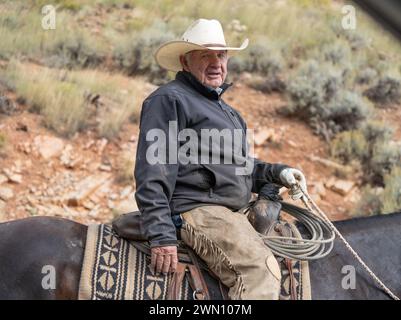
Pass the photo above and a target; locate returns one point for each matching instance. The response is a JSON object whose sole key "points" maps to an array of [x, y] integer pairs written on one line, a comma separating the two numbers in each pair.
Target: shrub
{"points": [[370, 203], [349, 145], [386, 91], [75, 50], [371, 145], [259, 58], [391, 197], [267, 85], [336, 52], [345, 111], [73, 5], [263, 61], [237, 64], [356, 40], [366, 76], [382, 200], [384, 158], [135, 54], [317, 96]]}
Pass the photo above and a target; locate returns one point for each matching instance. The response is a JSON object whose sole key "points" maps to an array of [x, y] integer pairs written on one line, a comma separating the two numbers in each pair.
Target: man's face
{"points": [[208, 66]]}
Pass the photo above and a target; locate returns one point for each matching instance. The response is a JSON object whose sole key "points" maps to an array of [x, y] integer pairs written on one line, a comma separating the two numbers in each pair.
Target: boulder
{"points": [[330, 163], [68, 158], [125, 192], [263, 136], [3, 178], [342, 187], [318, 189], [12, 177], [353, 196], [125, 206], [6, 193], [100, 145], [16, 178], [105, 167], [48, 146], [85, 188]]}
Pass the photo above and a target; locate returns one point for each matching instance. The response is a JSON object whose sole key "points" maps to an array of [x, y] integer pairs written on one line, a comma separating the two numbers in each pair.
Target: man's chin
{"points": [[214, 83]]}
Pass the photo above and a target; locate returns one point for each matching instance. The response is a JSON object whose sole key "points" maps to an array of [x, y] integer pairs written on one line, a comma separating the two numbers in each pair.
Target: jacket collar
{"points": [[209, 92]]}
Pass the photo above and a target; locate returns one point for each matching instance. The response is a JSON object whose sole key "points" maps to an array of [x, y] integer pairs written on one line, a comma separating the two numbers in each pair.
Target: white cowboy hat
{"points": [[200, 35]]}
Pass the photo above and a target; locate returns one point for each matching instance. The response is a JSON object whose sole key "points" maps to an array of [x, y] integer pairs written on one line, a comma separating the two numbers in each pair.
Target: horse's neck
{"points": [[375, 226]]}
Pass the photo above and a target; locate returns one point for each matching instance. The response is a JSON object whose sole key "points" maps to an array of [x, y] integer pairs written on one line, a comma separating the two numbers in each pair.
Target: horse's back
{"points": [[41, 258]]}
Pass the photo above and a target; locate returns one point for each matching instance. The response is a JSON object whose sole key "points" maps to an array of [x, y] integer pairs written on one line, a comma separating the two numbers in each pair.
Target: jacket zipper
{"points": [[230, 115], [236, 124]]}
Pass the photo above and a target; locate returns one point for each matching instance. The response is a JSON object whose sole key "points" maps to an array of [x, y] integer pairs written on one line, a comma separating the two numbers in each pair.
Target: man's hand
{"points": [[293, 179], [164, 259]]}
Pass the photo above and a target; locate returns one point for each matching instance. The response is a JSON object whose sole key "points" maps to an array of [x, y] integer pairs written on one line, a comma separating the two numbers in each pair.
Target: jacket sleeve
{"points": [[264, 172], [155, 182]]}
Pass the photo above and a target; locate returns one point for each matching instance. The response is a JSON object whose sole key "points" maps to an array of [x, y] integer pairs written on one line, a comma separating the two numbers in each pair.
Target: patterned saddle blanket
{"points": [[114, 269]]}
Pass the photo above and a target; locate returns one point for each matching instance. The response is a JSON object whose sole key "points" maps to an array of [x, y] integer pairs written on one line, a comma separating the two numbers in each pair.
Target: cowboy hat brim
{"points": [[168, 54]]}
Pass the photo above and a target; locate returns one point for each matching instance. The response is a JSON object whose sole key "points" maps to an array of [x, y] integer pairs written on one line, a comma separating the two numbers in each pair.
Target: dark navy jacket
{"points": [[167, 189]]}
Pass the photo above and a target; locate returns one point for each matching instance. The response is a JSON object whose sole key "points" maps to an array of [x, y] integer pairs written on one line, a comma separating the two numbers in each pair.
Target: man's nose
{"points": [[214, 61]]}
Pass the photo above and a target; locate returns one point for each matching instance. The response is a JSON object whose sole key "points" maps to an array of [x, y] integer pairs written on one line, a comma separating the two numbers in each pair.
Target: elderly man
{"points": [[197, 201]]}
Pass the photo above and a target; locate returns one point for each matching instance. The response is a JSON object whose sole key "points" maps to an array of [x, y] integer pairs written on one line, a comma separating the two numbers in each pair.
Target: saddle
{"points": [[128, 226], [295, 274]]}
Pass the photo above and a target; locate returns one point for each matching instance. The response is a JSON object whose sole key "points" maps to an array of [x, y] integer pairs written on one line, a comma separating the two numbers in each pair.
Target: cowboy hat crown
{"points": [[201, 35]]}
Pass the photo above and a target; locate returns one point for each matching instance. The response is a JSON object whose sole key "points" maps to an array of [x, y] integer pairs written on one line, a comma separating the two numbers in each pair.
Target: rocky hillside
{"points": [[325, 100], [89, 179]]}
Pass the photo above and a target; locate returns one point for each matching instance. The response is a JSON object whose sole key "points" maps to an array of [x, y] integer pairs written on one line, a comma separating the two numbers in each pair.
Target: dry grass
{"points": [[22, 35], [3, 142], [293, 30], [61, 96], [391, 197], [125, 168]]}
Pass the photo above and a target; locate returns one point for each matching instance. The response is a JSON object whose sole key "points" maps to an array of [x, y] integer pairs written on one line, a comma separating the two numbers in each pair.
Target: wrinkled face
{"points": [[208, 66]]}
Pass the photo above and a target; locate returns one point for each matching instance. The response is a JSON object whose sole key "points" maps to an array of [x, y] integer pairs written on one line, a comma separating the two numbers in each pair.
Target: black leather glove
{"points": [[270, 191]]}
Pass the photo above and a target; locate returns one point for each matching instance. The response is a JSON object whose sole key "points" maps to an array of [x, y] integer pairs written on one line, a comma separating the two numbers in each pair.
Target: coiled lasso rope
{"points": [[318, 246], [313, 208]]}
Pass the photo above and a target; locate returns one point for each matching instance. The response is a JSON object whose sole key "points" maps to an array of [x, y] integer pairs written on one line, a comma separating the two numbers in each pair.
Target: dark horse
{"points": [[27, 245]]}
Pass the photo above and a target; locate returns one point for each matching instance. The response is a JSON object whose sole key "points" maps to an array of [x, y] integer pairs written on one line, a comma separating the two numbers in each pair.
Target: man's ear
{"points": [[184, 63]]}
